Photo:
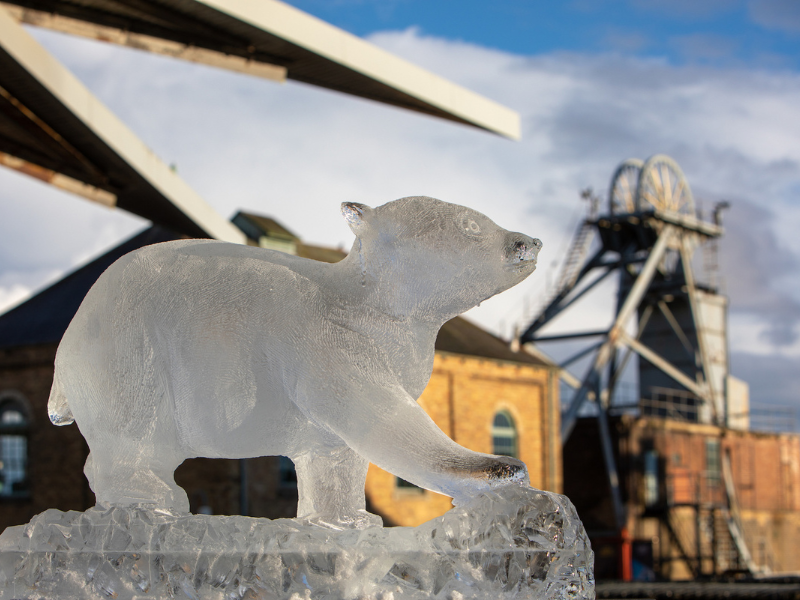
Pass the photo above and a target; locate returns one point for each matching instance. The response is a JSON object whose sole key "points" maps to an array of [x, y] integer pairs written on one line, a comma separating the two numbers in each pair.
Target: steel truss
{"points": [[647, 240]]}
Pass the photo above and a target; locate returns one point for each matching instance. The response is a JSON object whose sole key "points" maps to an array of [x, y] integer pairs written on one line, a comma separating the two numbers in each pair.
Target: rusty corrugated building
{"points": [[672, 479]]}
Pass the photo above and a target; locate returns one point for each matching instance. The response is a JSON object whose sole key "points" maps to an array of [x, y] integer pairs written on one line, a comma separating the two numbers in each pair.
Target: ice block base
{"points": [[513, 542]]}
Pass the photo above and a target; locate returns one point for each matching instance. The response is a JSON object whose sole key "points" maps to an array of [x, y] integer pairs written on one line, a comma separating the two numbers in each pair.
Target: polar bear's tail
{"points": [[57, 407]]}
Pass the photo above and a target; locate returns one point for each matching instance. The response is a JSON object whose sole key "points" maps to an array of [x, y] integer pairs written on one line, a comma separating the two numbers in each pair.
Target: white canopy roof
{"points": [[53, 128]]}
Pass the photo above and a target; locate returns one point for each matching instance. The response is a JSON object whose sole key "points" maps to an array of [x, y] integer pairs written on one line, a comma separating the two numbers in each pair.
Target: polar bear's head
{"points": [[437, 259]]}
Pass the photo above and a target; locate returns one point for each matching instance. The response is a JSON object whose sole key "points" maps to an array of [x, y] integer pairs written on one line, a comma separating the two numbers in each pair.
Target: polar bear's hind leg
{"points": [[120, 476]]}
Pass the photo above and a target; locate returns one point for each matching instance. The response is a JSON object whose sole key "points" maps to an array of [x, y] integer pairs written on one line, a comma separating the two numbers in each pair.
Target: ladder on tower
{"points": [[576, 256], [726, 553], [570, 268], [731, 516]]}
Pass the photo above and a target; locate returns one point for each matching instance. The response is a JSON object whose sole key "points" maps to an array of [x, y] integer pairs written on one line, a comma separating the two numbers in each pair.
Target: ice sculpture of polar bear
{"points": [[203, 348]]}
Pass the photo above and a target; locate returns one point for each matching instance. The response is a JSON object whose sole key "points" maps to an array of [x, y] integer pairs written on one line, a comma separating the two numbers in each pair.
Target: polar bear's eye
{"points": [[470, 226]]}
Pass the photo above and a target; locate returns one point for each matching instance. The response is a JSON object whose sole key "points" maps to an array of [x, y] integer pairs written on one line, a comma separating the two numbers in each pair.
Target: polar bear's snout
{"points": [[521, 249]]}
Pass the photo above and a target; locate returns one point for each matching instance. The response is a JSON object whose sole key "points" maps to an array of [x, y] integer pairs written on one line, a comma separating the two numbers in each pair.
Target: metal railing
{"points": [[773, 417], [682, 405], [673, 404]]}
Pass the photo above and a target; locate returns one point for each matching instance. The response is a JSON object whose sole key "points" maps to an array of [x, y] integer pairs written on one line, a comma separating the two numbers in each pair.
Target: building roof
{"points": [[320, 253], [270, 34], [44, 317], [460, 336], [254, 226]]}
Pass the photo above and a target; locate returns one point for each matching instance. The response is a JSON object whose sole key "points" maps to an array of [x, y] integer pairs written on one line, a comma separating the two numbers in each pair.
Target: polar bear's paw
{"points": [[505, 470]]}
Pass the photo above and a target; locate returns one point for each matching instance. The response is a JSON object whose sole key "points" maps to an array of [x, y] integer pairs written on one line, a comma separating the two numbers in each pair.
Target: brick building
{"points": [[681, 520], [485, 396]]}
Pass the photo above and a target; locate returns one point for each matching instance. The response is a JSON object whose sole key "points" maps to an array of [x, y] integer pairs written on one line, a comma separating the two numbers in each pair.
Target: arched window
{"points": [[14, 423], [504, 435]]}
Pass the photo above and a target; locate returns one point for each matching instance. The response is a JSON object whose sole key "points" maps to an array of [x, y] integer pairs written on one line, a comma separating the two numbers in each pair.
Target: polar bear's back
{"points": [[190, 287], [177, 333]]}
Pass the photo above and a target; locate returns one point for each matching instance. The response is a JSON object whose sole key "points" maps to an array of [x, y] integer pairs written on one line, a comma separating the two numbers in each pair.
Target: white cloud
{"points": [[296, 152], [12, 295], [45, 232]]}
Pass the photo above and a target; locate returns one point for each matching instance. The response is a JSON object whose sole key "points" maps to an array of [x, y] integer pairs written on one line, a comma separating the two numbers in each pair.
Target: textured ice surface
{"points": [[201, 348], [512, 542]]}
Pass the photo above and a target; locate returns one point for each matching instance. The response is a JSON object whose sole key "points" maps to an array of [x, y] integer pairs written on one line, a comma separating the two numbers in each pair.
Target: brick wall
{"points": [[766, 476], [55, 454]]}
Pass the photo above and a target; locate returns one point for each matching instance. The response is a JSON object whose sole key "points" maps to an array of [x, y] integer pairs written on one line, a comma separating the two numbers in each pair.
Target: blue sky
{"points": [[760, 33], [714, 84]]}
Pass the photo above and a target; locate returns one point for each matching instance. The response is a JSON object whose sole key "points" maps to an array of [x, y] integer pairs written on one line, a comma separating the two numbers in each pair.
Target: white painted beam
{"points": [[617, 330], [362, 57]]}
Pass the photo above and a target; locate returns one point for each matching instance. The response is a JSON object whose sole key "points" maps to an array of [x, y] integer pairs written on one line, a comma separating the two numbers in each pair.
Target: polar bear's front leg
{"points": [[387, 427], [330, 487]]}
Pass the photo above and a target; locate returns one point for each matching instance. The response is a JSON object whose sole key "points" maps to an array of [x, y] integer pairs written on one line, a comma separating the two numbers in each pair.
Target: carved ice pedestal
{"points": [[513, 542]]}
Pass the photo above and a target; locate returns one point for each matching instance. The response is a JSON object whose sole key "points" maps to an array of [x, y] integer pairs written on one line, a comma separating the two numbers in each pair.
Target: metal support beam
{"points": [[676, 327], [698, 536], [612, 341], [326, 41], [732, 516], [569, 336], [582, 353], [645, 277], [617, 372], [611, 464], [18, 45], [571, 415], [554, 307], [664, 365], [563, 374], [35, 126], [686, 258]]}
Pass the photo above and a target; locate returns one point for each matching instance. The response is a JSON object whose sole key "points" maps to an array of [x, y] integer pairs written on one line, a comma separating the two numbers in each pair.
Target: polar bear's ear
{"points": [[356, 215]]}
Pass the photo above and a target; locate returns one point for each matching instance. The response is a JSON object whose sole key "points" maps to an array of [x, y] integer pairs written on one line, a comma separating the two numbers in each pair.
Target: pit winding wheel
{"points": [[658, 183]]}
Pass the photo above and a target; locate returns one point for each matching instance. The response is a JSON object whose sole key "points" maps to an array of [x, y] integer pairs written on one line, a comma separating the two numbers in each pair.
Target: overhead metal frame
{"points": [[54, 129], [148, 43], [273, 40]]}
